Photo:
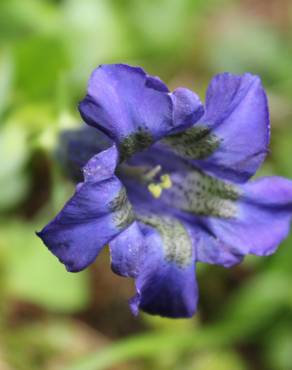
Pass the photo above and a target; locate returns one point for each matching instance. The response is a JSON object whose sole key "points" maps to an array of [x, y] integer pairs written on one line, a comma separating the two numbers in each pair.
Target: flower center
{"points": [[156, 188], [184, 188], [202, 195]]}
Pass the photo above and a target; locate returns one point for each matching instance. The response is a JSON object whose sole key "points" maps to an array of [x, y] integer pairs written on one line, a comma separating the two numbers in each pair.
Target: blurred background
{"points": [[51, 319]]}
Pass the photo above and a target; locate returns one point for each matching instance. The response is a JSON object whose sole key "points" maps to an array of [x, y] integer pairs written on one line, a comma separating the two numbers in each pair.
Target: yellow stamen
{"points": [[155, 190], [165, 182]]}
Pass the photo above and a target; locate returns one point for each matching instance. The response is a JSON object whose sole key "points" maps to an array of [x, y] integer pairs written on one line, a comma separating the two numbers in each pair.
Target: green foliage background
{"points": [[50, 319]]}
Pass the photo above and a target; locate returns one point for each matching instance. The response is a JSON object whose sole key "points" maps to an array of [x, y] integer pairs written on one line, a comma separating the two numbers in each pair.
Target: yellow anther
{"points": [[165, 182], [155, 190]]}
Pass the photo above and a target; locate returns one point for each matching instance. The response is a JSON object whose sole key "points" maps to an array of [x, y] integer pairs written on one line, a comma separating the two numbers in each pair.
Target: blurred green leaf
{"points": [[162, 323], [35, 275], [6, 73], [93, 33], [282, 259], [13, 190], [217, 360], [33, 118], [47, 344], [39, 61], [254, 305], [18, 19], [238, 51], [282, 150], [279, 347], [13, 157]]}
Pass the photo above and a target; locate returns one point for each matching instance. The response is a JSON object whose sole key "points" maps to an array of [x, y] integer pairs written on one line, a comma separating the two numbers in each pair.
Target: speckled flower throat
{"points": [[196, 193], [164, 181]]}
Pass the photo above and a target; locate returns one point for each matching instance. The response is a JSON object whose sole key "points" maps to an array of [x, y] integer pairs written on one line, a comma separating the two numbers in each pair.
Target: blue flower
{"points": [[165, 184]]}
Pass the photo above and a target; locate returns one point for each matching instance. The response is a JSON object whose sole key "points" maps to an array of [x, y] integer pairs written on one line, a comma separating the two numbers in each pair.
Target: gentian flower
{"points": [[165, 184]]}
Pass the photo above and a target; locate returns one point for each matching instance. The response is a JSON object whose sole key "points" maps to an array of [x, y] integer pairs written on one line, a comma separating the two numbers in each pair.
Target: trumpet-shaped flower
{"points": [[165, 184]]}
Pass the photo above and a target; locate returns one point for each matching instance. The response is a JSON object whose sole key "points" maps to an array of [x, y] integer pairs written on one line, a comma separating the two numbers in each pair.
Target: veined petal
{"points": [[166, 284], [98, 211], [201, 195], [136, 109], [199, 198], [229, 220], [231, 139], [212, 250], [262, 219]]}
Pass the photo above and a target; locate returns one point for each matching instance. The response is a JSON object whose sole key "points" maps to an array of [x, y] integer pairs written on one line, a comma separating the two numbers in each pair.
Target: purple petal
{"points": [[231, 139], [198, 197], [187, 108], [126, 249], [263, 217], [166, 284], [227, 220], [77, 146], [237, 114], [212, 250], [133, 108], [97, 212]]}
